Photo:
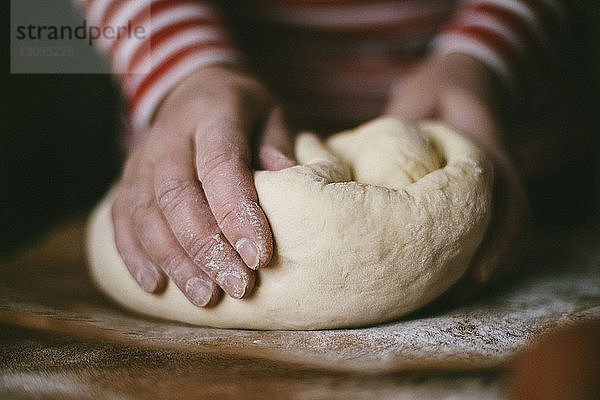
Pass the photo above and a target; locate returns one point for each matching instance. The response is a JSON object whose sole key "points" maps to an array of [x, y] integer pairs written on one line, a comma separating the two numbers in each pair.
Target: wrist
{"points": [[189, 85], [203, 92], [471, 74], [472, 87]]}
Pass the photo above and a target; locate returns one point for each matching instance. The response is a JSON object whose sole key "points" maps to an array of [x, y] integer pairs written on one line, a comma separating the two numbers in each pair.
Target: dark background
{"points": [[59, 148]]}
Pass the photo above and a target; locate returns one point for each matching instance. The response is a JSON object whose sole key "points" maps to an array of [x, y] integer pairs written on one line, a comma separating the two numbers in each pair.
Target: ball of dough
{"points": [[372, 224]]}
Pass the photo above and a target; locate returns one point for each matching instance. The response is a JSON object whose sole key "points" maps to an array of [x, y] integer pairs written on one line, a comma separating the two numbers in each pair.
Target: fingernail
{"points": [[234, 286], [248, 251], [198, 291], [147, 280]]}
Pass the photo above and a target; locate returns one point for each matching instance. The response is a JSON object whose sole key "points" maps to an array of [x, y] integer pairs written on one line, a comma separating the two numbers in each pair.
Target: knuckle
{"points": [[225, 215], [141, 206], [174, 264], [171, 192], [235, 214], [201, 249], [216, 162], [212, 161]]}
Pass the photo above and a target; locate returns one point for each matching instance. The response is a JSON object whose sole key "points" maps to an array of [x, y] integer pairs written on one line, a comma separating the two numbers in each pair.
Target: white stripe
{"points": [[166, 50], [147, 105], [124, 14], [496, 25], [448, 43], [96, 11], [519, 8], [376, 13], [128, 48], [173, 15]]}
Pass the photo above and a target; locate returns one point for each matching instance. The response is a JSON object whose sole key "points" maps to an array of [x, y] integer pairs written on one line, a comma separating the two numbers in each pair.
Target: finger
{"points": [[222, 163], [148, 276], [503, 242], [275, 147], [162, 247], [480, 125], [186, 211], [499, 252]]}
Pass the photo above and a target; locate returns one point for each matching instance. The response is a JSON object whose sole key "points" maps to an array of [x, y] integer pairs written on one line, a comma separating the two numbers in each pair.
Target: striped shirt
{"points": [[331, 62]]}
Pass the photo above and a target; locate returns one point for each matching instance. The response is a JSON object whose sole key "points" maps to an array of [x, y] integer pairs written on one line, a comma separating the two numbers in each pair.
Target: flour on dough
{"points": [[373, 224]]}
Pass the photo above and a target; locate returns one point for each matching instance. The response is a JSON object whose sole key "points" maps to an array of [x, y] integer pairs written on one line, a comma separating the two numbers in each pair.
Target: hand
{"points": [[463, 92], [186, 206]]}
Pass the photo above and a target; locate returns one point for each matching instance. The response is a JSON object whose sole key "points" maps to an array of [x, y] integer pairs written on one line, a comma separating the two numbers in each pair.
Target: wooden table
{"points": [[61, 339]]}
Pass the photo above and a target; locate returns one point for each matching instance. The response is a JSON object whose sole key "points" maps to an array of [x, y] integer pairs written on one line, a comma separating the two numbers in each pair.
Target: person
{"points": [[215, 89]]}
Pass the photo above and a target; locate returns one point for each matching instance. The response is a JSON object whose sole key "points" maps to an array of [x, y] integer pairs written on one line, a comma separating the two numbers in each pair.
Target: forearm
{"points": [[161, 42], [517, 39]]}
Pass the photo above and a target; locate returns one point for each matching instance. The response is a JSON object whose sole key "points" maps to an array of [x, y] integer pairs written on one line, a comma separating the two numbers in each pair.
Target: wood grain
{"points": [[46, 287]]}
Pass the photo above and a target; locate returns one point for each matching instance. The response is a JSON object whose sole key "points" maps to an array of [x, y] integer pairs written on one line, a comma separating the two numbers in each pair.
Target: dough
{"points": [[373, 224]]}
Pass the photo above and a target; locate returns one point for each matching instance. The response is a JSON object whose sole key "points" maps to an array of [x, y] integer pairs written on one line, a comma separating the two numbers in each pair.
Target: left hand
{"points": [[463, 92]]}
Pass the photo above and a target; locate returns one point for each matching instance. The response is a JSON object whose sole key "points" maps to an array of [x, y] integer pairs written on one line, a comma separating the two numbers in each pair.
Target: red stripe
{"points": [[110, 12], [163, 68], [88, 5], [156, 8], [161, 36], [498, 44], [324, 3], [516, 24]]}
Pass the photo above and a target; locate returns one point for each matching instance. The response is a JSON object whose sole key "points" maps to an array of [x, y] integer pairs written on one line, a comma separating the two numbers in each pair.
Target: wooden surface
{"points": [[37, 364], [61, 339]]}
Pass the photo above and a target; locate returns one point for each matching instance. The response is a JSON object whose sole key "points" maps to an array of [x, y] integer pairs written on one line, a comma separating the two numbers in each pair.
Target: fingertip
{"points": [[273, 159], [145, 273], [249, 252], [254, 255], [200, 292], [250, 283], [215, 296], [265, 251], [149, 280], [265, 255], [161, 283], [247, 229], [237, 285]]}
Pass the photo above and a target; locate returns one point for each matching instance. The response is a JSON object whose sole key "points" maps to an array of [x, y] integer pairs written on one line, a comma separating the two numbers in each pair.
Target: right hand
{"points": [[186, 206], [464, 93]]}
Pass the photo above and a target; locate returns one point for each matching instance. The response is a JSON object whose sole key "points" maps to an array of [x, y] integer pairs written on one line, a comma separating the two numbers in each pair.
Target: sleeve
{"points": [[152, 45], [515, 38]]}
